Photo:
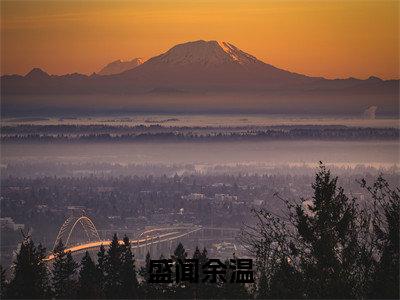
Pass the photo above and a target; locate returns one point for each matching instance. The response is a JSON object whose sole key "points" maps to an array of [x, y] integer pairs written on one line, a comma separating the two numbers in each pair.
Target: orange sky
{"points": [[334, 39]]}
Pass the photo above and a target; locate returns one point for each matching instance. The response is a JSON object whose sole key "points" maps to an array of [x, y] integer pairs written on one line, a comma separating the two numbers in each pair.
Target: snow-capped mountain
{"points": [[206, 53], [209, 63], [120, 66]]}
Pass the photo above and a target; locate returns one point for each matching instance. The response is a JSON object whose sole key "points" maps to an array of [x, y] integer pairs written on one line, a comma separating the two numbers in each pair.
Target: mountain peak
{"points": [[119, 66], [374, 78], [206, 53], [37, 73]]}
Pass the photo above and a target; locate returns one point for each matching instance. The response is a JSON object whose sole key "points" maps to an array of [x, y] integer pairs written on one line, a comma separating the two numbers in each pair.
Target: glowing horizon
{"points": [[332, 39]]}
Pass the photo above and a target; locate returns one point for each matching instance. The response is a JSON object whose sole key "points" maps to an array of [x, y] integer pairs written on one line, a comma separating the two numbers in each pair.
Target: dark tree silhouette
{"points": [[386, 208], [146, 288], [144, 271], [327, 229], [88, 283], [180, 252], [101, 268], [203, 256], [129, 282], [285, 283], [196, 253], [205, 290], [3, 282], [230, 290], [179, 290], [30, 280], [64, 273], [263, 287], [113, 267]]}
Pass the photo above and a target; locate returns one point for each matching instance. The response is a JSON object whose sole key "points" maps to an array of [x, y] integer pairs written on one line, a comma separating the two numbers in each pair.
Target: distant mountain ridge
{"points": [[200, 65], [206, 68], [119, 66]]}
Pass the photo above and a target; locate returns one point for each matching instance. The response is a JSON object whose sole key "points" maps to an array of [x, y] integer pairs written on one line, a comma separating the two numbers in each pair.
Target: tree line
{"points": [[318, 133], [113, 276]]}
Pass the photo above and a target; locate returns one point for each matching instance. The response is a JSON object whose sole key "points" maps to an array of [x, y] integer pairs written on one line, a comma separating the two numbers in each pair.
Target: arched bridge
{"points": [[148, 238], [67, 228]]}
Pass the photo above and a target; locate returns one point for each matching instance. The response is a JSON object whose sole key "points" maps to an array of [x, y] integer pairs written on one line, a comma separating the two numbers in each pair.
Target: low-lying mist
{"points": [[381, 154]]}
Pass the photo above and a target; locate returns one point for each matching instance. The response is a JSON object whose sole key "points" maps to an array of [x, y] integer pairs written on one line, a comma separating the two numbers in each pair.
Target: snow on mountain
{"points": [[206, 53], [207, 64], [120, 66]]}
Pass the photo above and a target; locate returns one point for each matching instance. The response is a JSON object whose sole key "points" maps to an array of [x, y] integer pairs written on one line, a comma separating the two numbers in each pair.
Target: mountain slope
{"points": [[120, 66], [209, 64], [37, 73]]}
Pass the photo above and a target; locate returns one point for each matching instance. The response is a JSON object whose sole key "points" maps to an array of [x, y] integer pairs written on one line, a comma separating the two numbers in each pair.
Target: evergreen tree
{"points": [[147, 266], [328, 231], [113, 267], [263, 289], [205, 290], [232, 290], [196, 253], [43, 271], [64, 273], [203, 257], [146, 288], [129, 283], [385, 280], [30, 280], [180, 252], [195, 288], [160, 290], [285, 282], [101, 268], [3, 283], [179, 289], [88, 283]]}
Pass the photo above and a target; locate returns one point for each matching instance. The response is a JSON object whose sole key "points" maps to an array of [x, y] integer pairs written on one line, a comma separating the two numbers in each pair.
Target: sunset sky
{"points": [[334, 39]]}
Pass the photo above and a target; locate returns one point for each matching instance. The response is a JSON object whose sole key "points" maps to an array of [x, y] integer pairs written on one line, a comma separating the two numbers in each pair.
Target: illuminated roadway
{"points": [[138, 243]]}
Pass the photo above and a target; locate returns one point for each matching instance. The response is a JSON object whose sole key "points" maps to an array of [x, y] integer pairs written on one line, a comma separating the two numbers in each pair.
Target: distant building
{"points": [[194, 196], [140, 221], [225, 198], [220, 184], [41, 207], [224, 249], [258, 202], [145, 192], [76, 207], [104, 189], [8, 223]]}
